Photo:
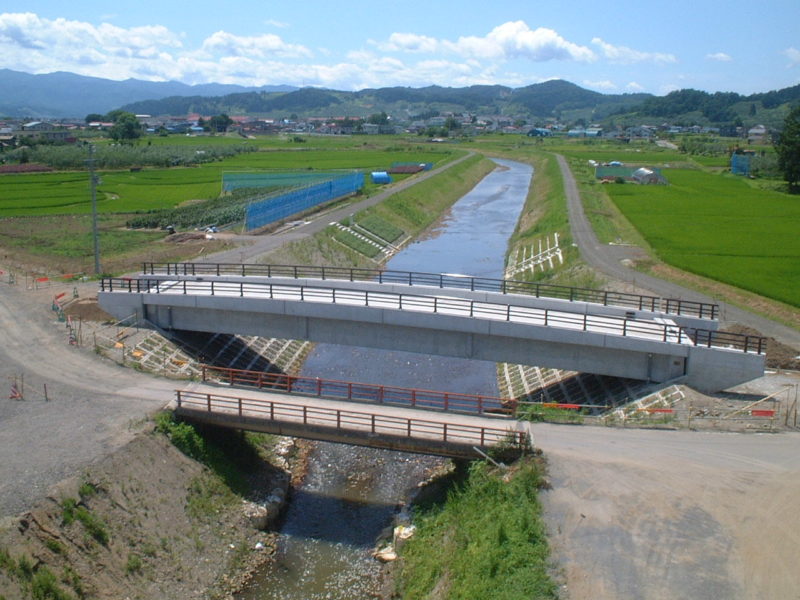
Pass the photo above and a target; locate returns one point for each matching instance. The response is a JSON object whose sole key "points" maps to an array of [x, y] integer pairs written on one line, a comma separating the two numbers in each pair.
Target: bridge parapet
{"points": [[647, 329], [671, 306]]}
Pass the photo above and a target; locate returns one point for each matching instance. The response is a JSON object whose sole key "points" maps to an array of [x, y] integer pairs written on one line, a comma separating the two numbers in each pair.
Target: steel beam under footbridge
{"points": [[376, 426], [478, 325]]}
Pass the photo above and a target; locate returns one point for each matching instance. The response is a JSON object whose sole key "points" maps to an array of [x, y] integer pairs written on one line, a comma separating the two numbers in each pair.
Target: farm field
{"points": [[720, 227], [124, 191]]}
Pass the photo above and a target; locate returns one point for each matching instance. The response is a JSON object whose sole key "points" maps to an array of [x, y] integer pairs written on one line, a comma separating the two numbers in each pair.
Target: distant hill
{"points": [[721, 109], [68, 95], [540, 100]]}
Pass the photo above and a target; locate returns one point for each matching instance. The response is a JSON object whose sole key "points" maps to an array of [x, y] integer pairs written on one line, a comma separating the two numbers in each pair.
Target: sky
{"points": [[610, 47]]}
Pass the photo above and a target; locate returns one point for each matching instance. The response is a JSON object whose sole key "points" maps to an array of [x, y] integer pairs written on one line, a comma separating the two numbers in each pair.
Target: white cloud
{"points": [[516, 40], [278, 24], [45, 45], [720, 56], [633, 86], [793, 54], [410, 42], [600, 85], [625, 55], [508, 41], [261, 46]]}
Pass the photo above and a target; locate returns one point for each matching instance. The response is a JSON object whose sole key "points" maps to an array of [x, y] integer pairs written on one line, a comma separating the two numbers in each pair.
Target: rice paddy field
{"points": [[126, 191], [721, 227]]}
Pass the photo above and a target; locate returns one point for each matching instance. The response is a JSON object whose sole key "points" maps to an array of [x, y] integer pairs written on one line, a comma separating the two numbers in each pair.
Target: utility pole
{"points": [[93, 184]]}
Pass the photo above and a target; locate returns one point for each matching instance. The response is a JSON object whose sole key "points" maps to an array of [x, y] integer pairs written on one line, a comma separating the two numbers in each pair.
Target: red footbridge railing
{"points": [[361, 392]]}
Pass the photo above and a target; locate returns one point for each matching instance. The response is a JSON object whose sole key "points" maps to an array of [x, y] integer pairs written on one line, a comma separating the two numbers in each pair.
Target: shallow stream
{"points": [[350, 494]]}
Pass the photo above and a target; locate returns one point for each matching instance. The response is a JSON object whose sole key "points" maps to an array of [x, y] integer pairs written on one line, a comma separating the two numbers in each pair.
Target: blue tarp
{"points": [[381, 177]]}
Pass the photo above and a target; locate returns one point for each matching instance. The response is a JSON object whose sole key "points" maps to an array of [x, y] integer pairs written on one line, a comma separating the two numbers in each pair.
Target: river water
{"points": [[350, 494]]}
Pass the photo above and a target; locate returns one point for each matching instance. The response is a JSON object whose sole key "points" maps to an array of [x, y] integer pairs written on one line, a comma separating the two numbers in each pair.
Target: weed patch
{"points": [[486, 540]]}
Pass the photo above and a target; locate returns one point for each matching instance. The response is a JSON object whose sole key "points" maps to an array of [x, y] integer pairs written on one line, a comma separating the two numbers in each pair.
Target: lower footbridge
{"points": [[408, 420], [645, 341]]}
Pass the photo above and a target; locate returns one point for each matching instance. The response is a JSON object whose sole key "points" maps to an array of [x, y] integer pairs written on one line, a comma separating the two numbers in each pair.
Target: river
{"points": [[350, 494]]}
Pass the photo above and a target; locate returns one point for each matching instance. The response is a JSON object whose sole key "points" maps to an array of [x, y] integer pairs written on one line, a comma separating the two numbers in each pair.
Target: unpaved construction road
{"points": [[649, 514]]}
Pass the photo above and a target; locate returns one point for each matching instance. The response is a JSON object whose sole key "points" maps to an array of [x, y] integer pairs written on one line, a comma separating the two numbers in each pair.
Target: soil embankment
{"points": [[144, 522]]}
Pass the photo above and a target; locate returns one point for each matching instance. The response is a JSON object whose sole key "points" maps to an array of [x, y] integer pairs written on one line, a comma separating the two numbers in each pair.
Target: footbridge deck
{"points": [[483, 325], [384, 426]]}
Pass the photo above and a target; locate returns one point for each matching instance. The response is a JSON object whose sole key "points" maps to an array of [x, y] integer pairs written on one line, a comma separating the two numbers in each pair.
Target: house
{"points": [[40, 130], [757, 135]]}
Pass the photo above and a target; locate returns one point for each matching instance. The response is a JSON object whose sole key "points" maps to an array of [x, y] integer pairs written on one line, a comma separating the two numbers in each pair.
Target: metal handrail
{"points": [[443, 280], [348, 420], [612, 325], [363, 392]]}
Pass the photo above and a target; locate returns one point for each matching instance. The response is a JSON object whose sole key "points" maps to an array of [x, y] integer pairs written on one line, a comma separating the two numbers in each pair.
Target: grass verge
{"points": [[487, 540]]}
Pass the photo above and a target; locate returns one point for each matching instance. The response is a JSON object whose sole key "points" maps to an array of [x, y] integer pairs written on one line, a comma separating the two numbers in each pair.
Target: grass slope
{"points": [[486, 541]]}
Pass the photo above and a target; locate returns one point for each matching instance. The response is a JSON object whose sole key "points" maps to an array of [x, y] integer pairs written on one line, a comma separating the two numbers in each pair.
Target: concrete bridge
{"points": [[593, 331]]}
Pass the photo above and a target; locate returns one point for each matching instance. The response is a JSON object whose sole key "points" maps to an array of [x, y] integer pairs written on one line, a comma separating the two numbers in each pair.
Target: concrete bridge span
{"points": [[476, 325]]}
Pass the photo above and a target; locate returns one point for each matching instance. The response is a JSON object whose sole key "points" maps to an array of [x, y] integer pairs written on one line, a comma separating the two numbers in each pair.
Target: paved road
{"points": [[607, 259]]}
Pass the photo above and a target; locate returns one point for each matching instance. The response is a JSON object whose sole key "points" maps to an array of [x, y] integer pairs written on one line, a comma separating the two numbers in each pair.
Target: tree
{"points": [[380, 118], [787, 148], [126, 127], [451, 123], [219, 123], [95, 117]]}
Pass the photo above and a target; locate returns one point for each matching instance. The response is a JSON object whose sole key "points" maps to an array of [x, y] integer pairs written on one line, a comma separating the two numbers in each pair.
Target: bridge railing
{"points": [[611, 325], [444, 280], [349, 420], [361, 392]]}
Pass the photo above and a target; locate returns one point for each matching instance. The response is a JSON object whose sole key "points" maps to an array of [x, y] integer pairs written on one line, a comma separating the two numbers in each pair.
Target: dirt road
{"points": [[92, 408], [645, 514]]}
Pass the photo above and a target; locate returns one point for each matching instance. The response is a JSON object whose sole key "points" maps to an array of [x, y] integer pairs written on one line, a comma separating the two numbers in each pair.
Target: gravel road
{"points": [[647, 514]]}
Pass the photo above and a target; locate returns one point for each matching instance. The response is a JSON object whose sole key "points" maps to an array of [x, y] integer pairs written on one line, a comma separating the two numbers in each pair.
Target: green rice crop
{"points": [[722, 228]]}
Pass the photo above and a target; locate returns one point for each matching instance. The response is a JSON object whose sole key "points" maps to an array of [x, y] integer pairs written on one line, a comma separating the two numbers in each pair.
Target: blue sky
{"points": [[611, 47]]}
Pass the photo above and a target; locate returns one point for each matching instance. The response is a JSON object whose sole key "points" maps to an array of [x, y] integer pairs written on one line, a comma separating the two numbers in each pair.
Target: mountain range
{"points": [[66, 95]]}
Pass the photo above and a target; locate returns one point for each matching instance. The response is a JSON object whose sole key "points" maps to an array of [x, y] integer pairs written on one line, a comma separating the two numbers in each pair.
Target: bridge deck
{"points": [[656, 329], [379, 426]]}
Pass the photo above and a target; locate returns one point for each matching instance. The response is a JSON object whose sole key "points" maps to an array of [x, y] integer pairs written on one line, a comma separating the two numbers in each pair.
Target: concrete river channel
{"points": [[351, 494]]}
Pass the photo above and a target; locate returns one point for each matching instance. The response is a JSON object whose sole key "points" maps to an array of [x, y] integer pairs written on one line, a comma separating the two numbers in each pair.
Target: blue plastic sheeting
{"points": [[740, 164], [381, 177], [279, 207]]}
